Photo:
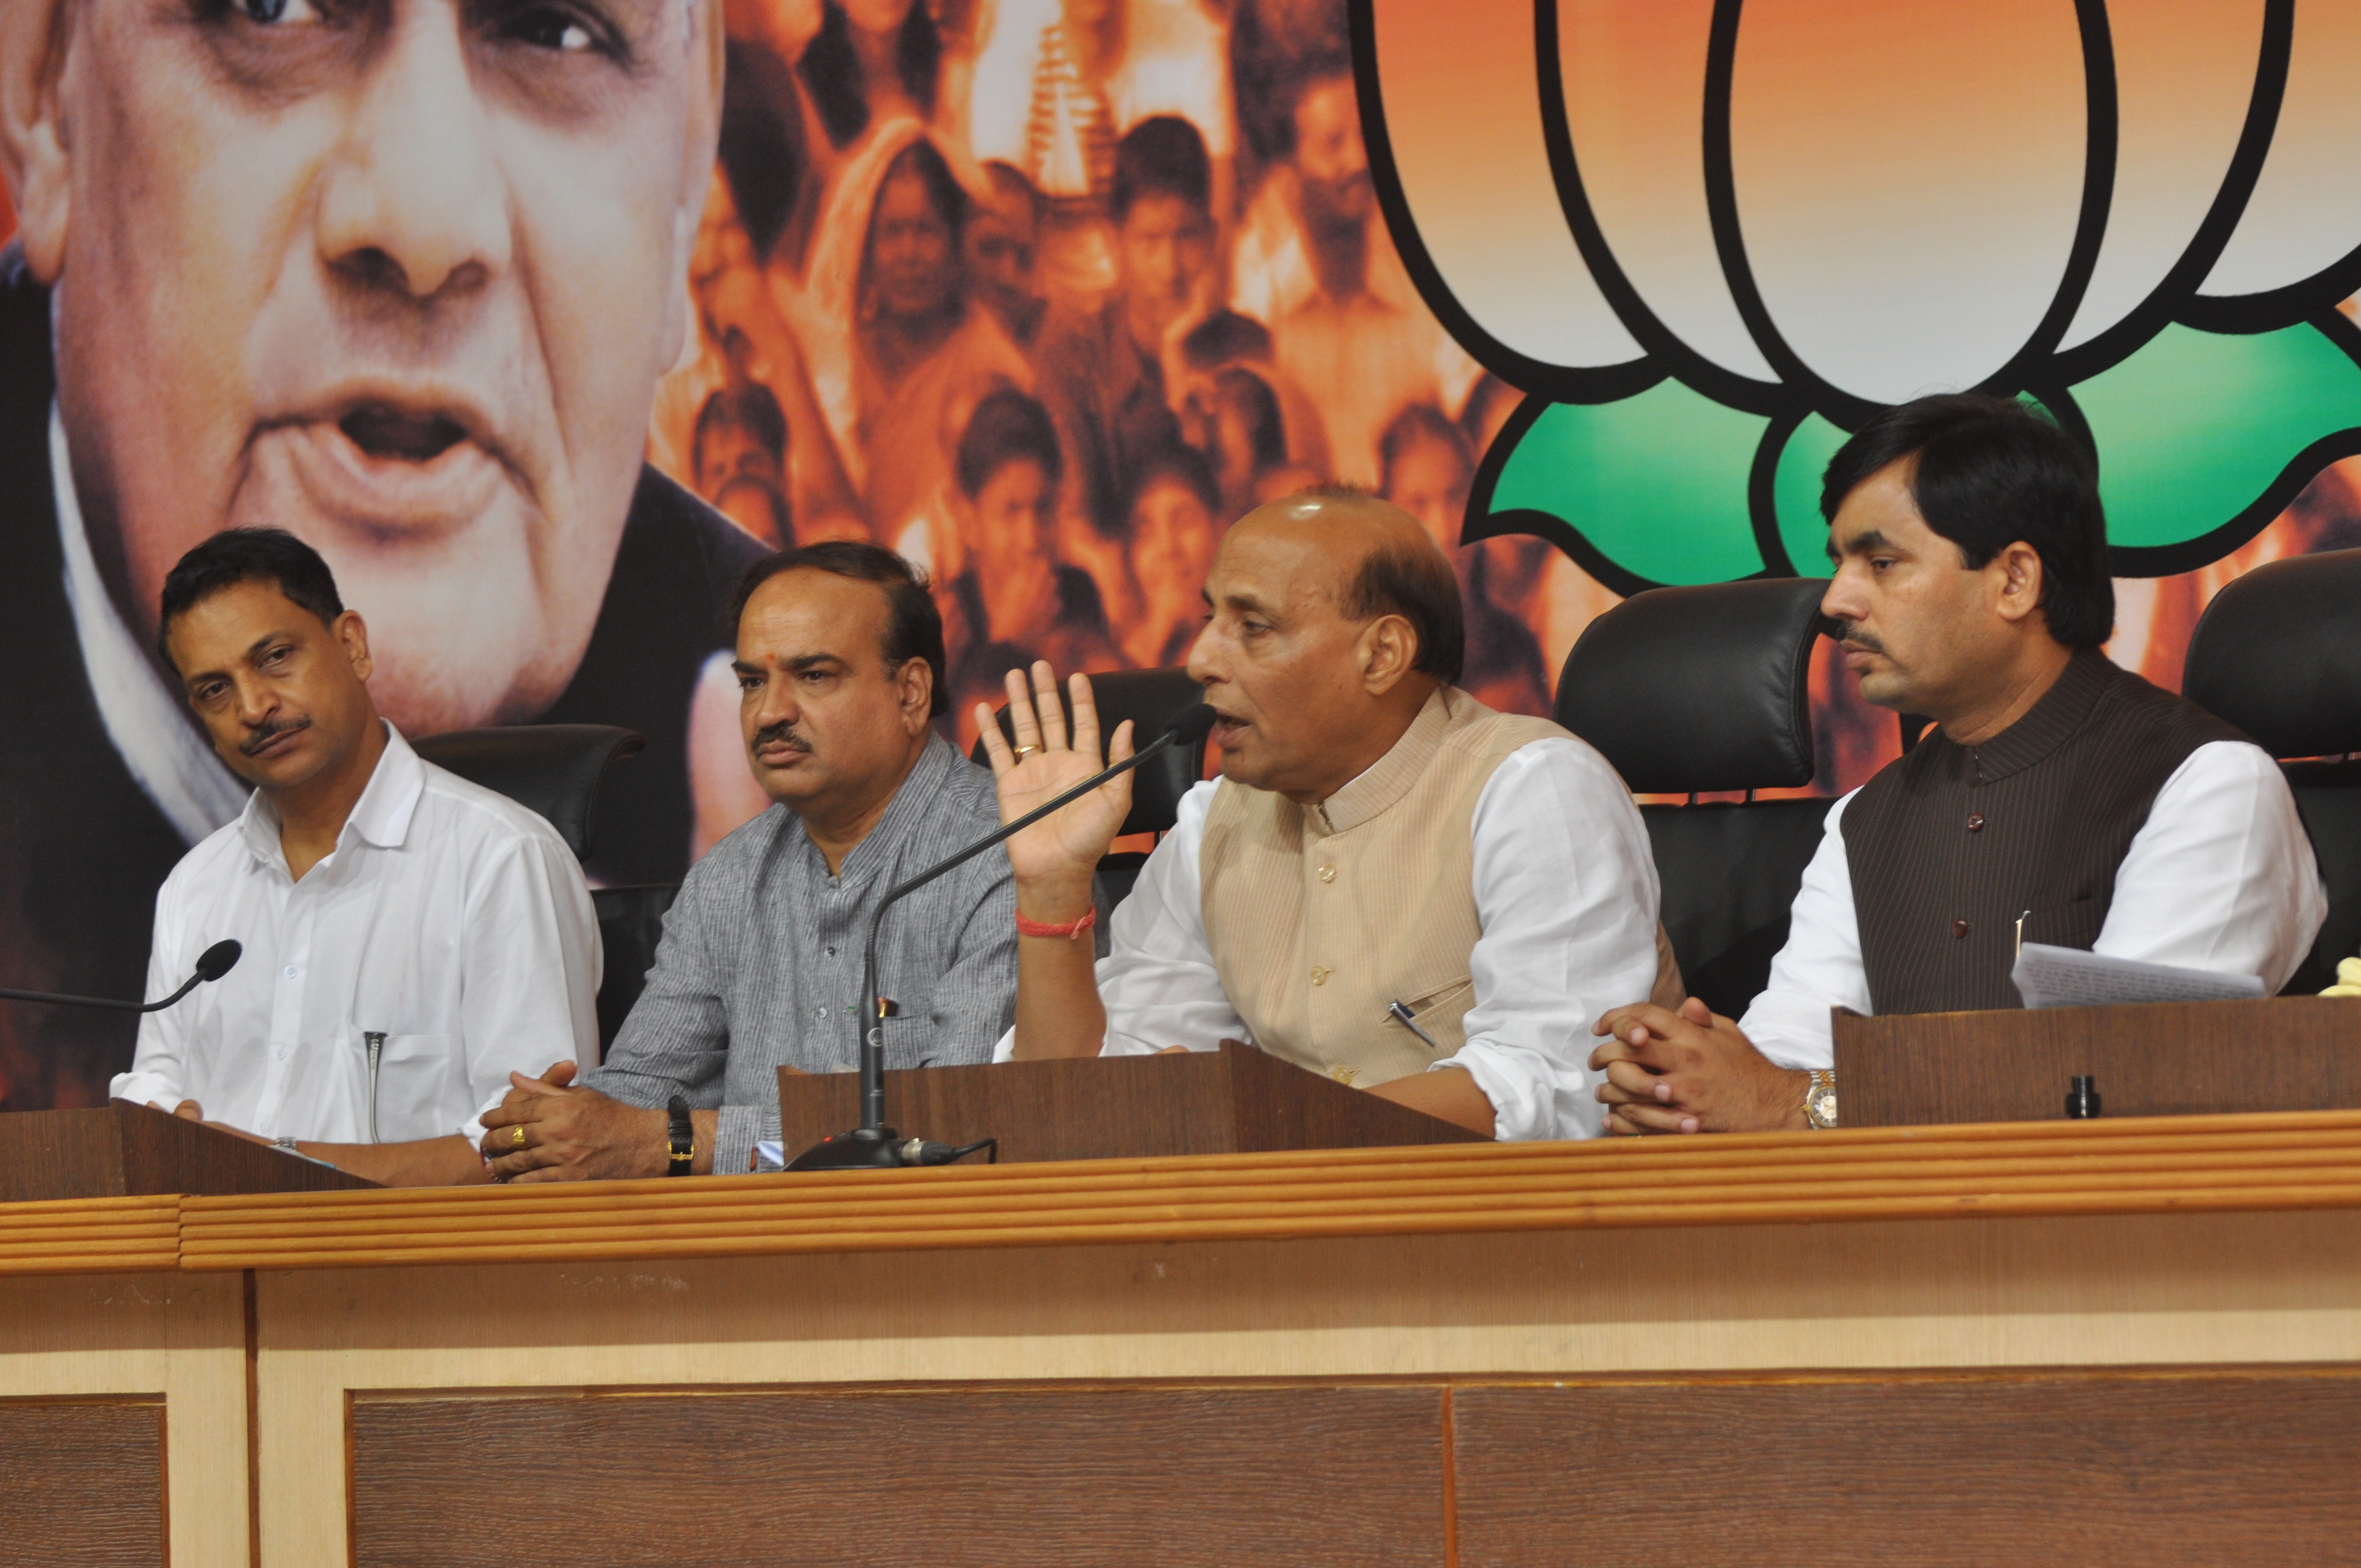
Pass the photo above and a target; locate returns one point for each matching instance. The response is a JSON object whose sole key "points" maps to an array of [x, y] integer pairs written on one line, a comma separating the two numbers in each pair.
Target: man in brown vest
{"points": [[1389, 878], [2058, 799]]}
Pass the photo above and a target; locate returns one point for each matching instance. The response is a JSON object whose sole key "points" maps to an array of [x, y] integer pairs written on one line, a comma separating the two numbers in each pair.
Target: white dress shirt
{"points": [[1565, 893], [2221, 877], [449, 918]]}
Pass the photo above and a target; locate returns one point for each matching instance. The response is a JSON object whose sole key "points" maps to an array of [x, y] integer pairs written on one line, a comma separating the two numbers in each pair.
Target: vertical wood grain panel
{"points": [[82, 1482], [1043, 1477], [2064, 1469]]}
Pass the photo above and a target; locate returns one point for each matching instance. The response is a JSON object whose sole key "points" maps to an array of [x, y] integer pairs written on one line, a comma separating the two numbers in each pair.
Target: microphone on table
{"points": [[873, 1144], [211, 964]]}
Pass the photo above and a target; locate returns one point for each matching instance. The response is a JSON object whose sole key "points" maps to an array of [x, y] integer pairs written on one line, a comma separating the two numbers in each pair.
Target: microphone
{"points": [[211, 964], [873, 1144]]}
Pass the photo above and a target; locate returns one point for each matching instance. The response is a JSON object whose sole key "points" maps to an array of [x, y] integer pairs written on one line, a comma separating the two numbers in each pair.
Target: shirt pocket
{"points": [[421, 1087], [1441, 1012], [2074, 925]]}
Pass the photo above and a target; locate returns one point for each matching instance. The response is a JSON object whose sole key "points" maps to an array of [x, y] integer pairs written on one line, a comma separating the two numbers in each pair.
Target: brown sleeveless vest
{"points": [[1952, 844], [1320, 916]]}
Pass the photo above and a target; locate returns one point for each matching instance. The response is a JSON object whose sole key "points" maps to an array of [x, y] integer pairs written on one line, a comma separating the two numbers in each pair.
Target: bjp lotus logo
{"points": [[1709, 238]]}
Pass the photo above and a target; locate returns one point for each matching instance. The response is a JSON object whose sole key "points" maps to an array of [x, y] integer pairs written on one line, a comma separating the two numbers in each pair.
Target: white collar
{"points": [[168, 756], [380, 817]]}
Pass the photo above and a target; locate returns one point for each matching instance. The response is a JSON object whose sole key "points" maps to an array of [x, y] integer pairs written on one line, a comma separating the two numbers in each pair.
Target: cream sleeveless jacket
{"points": [[1321, 917]]}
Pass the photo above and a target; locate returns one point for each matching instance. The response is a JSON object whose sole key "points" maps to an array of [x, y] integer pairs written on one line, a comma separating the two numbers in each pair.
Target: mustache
{"points": [[780, 734], [1853, 639], [268, 731]]}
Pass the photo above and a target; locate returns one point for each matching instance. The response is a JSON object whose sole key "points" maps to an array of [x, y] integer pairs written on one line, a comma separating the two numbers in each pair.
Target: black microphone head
{"points": [[218, 959], [1192, 724]]}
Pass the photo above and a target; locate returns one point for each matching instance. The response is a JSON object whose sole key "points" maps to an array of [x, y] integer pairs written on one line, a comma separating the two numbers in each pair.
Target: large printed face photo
{"points": [[398, 276]]}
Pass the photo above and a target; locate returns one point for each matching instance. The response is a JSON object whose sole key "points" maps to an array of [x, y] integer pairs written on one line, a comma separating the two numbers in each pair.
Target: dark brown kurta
{"points": [[1950, 844]]}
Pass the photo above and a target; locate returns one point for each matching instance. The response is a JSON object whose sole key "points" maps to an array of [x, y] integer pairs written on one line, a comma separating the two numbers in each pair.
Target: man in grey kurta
{"points": [[760, 964]]}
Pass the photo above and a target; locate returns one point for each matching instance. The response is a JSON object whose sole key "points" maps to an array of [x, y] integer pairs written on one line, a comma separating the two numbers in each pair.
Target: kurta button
{"points": [[1975, 821], [1343, 1074], [1327, 874], [1319, 975], [1959, 927]]}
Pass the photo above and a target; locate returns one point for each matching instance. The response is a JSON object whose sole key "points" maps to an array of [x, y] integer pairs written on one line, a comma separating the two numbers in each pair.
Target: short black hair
{"points": [[1991, 472], [1414, 582], [1184, 466], [742, 405], [1006, 427], [914, 627], [1420, 422], [247, 555], [1163, 155], [1246, 393]]}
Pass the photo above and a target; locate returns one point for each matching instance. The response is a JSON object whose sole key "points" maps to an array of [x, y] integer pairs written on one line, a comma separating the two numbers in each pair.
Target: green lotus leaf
{"points": [[2198, 431], [1795, 494], [1655, 483]]}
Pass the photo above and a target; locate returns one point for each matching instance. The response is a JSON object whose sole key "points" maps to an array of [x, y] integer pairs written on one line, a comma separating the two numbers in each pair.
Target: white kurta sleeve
{"points": [[1157, 981], [2222, 876], [159, 1065], [1565, 896], [530, 968], [1819, 967]]}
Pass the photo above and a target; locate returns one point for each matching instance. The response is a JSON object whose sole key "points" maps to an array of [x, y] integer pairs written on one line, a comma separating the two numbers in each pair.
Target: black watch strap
{"points": [[681, 1135]]}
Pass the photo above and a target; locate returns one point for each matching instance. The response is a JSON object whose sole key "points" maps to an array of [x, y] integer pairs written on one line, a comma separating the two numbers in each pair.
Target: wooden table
{"points": [[2109, 1341]]}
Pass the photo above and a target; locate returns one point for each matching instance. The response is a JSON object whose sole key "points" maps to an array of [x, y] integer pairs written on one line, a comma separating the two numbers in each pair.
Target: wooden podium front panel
{"points": [[82, 1482], [123, 1150], [1045, 1476], [1234, 1101], [2170, 1058], [2067, 1468]]}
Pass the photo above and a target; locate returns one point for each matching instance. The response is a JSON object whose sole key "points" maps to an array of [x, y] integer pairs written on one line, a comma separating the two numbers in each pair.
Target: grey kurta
{"points": [[760, 964]]}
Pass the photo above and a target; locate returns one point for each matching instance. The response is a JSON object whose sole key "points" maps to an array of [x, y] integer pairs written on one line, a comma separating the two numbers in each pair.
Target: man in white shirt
{"points": [[1392, 883], [410, 938], [2058, 799]]}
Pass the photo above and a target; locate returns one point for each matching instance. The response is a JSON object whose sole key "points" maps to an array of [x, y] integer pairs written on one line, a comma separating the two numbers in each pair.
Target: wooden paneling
{"points": [[1234, 1101], [1039, 1477], [2310, 1160], [90, 1235], [2290, 1053], [82, 1482], [2064, 1469], [124, 1150]]}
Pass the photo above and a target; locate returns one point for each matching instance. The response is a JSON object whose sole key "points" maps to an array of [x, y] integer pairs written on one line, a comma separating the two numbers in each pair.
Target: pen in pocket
{"points": [[1401, 1015]]}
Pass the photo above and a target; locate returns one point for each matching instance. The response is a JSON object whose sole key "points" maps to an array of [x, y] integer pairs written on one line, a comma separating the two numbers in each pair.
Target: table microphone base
{"points": [[863, 1148]]}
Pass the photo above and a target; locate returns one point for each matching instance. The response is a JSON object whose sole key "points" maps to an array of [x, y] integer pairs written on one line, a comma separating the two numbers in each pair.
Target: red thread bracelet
{"points": [[1057, 929]]}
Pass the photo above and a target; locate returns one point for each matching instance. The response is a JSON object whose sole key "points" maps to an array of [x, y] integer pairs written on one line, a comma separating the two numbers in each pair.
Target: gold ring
{"points": [[1025, 752], [519, 1139]]}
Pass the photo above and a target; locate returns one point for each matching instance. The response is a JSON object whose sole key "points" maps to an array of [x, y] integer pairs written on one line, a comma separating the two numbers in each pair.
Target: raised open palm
{"points": [[1069, 843]]}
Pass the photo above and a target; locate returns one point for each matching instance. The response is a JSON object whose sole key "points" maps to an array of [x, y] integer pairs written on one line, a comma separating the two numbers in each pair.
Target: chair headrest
{"points": [[553, 769], [1151, 699], [1701, 688], [2277, 653]]}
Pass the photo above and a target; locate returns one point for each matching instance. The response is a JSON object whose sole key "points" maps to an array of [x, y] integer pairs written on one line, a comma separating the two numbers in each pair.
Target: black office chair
{"points": [[1151, 699], [1706, 690], [2277, 653], [555, 769]]}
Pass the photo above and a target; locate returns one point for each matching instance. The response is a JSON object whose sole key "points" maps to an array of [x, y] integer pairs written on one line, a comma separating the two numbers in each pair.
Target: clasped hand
{"points": [[546, 1129], [1691, 1071]]}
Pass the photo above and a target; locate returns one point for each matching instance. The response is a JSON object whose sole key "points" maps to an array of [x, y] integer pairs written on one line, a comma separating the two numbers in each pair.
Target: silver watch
{"points": [[1820, 1100]]}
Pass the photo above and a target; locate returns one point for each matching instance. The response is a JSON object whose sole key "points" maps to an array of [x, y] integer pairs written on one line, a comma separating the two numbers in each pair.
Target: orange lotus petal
{"points": [[2185, 80], [1633, 74], [2305, 214], [1908, 177], [1462, 108]]}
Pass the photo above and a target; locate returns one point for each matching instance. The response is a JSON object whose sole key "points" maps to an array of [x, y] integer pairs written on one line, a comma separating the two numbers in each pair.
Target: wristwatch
{"points": [[1820, 1100], [680, 1136]]}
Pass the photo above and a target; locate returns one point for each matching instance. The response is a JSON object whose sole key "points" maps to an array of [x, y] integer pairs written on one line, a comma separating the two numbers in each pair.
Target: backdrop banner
{"points": [[542, 320]]}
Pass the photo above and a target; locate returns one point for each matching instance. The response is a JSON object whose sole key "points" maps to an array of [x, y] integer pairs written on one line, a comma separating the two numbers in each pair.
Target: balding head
{"points": [[1335, 616]]}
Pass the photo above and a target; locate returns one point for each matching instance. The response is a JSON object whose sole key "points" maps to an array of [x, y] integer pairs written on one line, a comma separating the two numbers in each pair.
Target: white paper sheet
{"points": [[2068, 977]]}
